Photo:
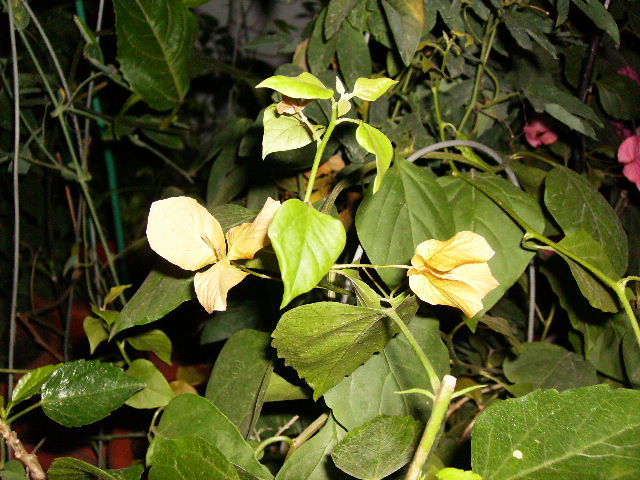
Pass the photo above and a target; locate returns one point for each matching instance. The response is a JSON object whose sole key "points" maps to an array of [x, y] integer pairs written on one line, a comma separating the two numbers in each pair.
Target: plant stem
{"points": [[436, 104], [487, 45], [23, 412], [123, 351], [433, 428], [320, 150], [277, 439], [428, 367], [308, 432]]}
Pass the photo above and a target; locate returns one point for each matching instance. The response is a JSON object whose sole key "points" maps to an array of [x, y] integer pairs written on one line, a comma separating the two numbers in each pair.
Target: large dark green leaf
{"points": [[619, 96], [320, 51], [80, 392], [237, 316], [378, 448], [598, 294], [154, 48], [544, 365], [67, 468], [312, 460], [159, 294], [371, 389], [631, 355], [188, 459], [406, 19], [307, 243], [353, 54], [240, 376], [409, 207], [576, 205], [326, 341], [600, 16], [336, 14], [474, 211], [194, 416], [586, 433]]}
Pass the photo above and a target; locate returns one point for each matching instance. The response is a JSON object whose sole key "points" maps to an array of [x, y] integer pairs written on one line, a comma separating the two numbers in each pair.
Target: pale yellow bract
{"points": [[183, 232], [454, 272]]}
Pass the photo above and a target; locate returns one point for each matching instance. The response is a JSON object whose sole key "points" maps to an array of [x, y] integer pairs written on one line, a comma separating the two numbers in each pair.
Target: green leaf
{"points": [[589, 432], [307, 243], [407, 20], [576, 205], [410, 207], [159, 294], [114, 292], [280, 389], [570, 120], [240, 377], [81, 392], [371, 389], [320, 52], [378, 448], [353, 54], [327, 340], [109, 316], [456, 474], [194, 3], [336, 14], [155, 341], [474, 211], [371, 89], [304, 85], [631, 355], [189, 416], [155, 38], [377, 143], [222, 325], [95, 331], [30, 383], [133, 472], [619, 96], [282, 132], [156, 393], [232, 215], [67, 468], [600, 16], [188, 459], [598, 294], [13, 470], [544, 365], [227, 177], [312, 461]]}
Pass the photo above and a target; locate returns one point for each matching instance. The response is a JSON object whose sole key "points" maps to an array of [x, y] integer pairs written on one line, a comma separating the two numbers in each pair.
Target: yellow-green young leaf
{"points": [[377, 143], [307, 243], [95, 331], [30, 383], [344, 106], [20, 15], [456, 474], [304, 85], [372, 88], [109, 316], [156, 393], [378, 448], [114, 293], [155, 341], [280, 390], [282, 132]]}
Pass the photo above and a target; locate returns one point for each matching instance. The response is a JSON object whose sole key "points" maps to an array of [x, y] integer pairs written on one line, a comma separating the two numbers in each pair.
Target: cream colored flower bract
{"points": [[454, 272], [186, 234]]}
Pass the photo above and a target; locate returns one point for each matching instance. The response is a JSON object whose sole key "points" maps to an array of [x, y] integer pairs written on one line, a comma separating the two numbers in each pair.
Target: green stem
{"points": [[487, 45], [308, 432], [633, 321], [436, 104], [265, 443], [433, 428], [321, 146], [428, 368], [23, 412], [123, 351]]}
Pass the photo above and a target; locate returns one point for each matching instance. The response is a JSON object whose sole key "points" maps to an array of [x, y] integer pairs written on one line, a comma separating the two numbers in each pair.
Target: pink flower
{"points": [[629, 72], [538, 132], [629, 154]]}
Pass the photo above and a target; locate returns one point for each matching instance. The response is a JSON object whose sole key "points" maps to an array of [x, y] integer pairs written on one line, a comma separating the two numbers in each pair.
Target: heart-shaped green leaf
{"points": [[282, 132], [376, 142], [327, 340], [156, 393], [307, 243], [155, 341], [304, 85]]}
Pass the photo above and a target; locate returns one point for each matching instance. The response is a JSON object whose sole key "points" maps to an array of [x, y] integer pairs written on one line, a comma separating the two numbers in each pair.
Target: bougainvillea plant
{"points": [[411, 253]]}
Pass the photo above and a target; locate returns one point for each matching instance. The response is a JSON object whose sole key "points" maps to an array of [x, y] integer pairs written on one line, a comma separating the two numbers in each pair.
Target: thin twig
{"points": [[16, 198], [29, 460]]}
